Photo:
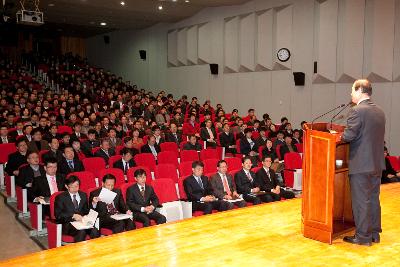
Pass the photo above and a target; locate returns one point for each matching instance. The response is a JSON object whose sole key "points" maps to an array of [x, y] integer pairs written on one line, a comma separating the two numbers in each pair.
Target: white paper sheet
{"points": [[107, 196], [121, 216], [87, 222]]}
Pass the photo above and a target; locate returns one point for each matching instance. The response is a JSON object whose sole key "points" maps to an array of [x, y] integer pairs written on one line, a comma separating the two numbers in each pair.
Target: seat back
{"points": [[118, 173], [94, 165], [394, 162], [169, 146], [165, 190], [181, 188], [189, 155], [299, 147], [118, 149], [210, 165], [293, 160], [41, 153], [233, 163], [255, 135], [64, 129], [278, 151], [87, 179], [146, 159], [209, 153], [131, 174], [168, 157], [238, 145], [166, 171], [6, 150], [113, 159], [123, 189], [185, 169], [52, 200]]}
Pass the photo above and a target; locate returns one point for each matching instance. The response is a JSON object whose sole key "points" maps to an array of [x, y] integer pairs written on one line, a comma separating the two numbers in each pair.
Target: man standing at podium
{"points": [[365, 132]]}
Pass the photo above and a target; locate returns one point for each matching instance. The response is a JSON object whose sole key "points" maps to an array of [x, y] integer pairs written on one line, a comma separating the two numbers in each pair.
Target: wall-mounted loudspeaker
{"points": [[299, 78], [142, 54], [106, 39], [214, 69]]}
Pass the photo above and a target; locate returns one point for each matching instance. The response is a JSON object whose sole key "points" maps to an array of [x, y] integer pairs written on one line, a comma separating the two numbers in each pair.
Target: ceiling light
{"points": [[160, 7], [122, 3], [173, 0], [103, 23], [187, 1], [51, 4]]}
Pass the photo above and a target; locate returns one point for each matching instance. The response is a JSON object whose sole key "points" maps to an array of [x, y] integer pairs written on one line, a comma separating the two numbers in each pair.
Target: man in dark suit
{"points": [[192, 144], [151, 147], [249, 147], [19, 126], [90, 143], [268, 182], [18, 158], [223, 187], [227, 140], [106, 210], [173, 135], [37, 144], [365, 131], [54, 151], [287, 147], [69, 163], [246, 184], [77, 134], [52, 133], [262, 139], [105, 150], [142, 200], [126, 162], [70, 206], [199, 191], [4, 137], [208, 134]]}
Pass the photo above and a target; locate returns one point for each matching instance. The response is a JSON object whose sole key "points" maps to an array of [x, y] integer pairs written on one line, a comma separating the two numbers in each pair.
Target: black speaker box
{"points": [[106, 39], [214, 69], [143, 54], [299, 78]]}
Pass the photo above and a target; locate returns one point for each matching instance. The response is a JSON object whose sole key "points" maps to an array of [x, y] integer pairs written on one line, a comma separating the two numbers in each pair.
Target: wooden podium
{"points": [[326, 207]]}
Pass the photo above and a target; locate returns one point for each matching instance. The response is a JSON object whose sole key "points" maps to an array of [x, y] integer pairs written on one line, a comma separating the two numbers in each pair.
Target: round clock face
{"points": [[283, 54]]}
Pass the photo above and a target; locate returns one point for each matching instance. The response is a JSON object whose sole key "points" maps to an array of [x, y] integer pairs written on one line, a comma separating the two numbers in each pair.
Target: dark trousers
{"points": [[287, 194], [239, 204], [145, 218], [207, 207], [258, 199], [116, 226], [79, 235], [365, 189]]}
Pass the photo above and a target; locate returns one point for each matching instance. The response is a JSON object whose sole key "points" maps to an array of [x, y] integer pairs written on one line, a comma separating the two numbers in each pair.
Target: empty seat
{"points": [[208, 153], [165, 189], [189, 155], [169, 146], [145, 159], [113, 159], [94, 165], [185, 169], [210, 165], [293, 161], [118, 173], [163, 171], [168, 157], [233, 163]]}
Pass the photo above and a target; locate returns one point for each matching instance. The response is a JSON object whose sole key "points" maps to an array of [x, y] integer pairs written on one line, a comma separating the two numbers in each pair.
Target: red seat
{"points": [[169, 146], [181, 188], [233, 172], [131, 174], [185, 169], [41, 153], [113, 159], [292, 161], [278, 151], [255, 135], [299, 147], [123, 189], [118, 149], [256, 169], [209, 153], [118, 173], [6, 150], [189, 155], [146, 159], [87, 179], [165, 190], [233, 163], [220, 151], [94, 150], [210, 165], [394, 162], [168, 157], [238, 146], [166, 171], [94, 165], [64, 129]]}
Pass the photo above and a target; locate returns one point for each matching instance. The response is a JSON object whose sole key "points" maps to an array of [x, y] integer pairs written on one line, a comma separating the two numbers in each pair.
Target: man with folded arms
{"points": [[199, 192], [223, 187], [106, 210], [29, 172], [71, 206]]}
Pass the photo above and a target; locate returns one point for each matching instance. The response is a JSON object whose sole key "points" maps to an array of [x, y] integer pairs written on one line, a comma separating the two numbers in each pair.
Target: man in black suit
{"points": [[69, 163], [126, 162], [142, 200], [365, 131], [287, 147], [27, 173], [105, 150], [90, 143], [77, 134], [227, 139], [4, 137], [262, 139], [223, 187], [151, 147], [52, 133], [37, 144], [199, 191], [268, 182], [192, 144], [106, 210], [19, 126], [249, 147], [70, 206], [246, 184], [208, 134], [173, 135], [54, 151], [18, 158]]}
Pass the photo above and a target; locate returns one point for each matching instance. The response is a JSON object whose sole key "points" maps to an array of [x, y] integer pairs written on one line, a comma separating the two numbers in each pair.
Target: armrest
{"points": [[54, 233], [36, 216], [22, 199]]}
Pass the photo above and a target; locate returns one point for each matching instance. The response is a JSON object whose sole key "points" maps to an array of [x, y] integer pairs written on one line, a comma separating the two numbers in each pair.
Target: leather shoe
{"points": [[355, 240], [376, 240]]}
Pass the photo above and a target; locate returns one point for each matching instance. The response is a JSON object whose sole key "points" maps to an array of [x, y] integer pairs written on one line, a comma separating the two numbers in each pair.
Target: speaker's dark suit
{"points": [[194, 192], [365, 131], [120, 165], [64, 209], [104, 215], [205, 135], [218, 190], [136, 202], [102, 154], [244, 186], [227, 140], [65, 169], [269, 182]]}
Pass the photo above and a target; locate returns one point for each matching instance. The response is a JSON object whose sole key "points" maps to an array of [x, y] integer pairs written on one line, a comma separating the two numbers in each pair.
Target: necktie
{"points": [[70, 164], [200, 182], [126, 167], [226, 186], [249, 176], [142, 191], [75, 202], [269, 175], [54, 184], [111, 209]]}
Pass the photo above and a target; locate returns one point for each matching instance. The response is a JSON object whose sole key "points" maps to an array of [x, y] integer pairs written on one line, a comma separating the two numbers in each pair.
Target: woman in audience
{"points": [[137, 142], [389, 175]]}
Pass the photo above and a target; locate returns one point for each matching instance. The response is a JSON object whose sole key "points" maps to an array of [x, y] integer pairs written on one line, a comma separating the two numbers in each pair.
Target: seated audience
{"points": [[37, 144], [227, 139], [249, 147], [137, 141], [192, 144], [280, 139], [18, 158], [89, 144], [173, 135], [209, 135], [287, 147], [29, 172], [105, 150], [114, 140], [151, 147], [262, 139], [4, 138], [157, 134], [54, 151], [191, 127], [69, 163], [77, 133], [296, 138], [126, 162], [389, 175]]}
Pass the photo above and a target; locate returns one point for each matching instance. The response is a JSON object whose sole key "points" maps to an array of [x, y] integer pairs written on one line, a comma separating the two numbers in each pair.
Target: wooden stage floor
{"points": [[265, 235]]}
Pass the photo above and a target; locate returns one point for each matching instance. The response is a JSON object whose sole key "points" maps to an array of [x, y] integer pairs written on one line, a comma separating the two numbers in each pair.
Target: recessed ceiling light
{"points": [[160, 7], [173, 0], [51, 4], [187, 1], [103, 23], [122, 3]]}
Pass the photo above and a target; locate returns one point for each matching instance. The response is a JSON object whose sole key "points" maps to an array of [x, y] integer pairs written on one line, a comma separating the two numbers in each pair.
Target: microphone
{"points": [[337, 114], [320, 116]]}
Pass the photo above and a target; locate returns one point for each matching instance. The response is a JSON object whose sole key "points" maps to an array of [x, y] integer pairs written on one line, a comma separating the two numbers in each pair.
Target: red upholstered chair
{"points": [[394, 162], [210, 165], [185, 169], [6, 150], [165, 190], [255, 135], [41, 153], [64, 129], [278, 151], [87, 179], [166, 171], [293, 161], [131, 174], [94, 150], [113, 159], [118, 173], [220, 151], [234, 163], [189, 155], [94, 165], [145, 159], [169, 146], [238, 145], [168, 157], [118, 149], [299, 147], [123, 189], [209, 153]]}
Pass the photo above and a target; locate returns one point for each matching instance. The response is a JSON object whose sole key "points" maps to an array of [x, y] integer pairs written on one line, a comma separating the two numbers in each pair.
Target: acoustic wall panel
{"points": [[204, 44], [283, 34], [396, 56], [247, 42], [264, 40], [182, 45], [379, 40], [326, 41], [172, 48], [350, 40], [231, 41], [192, 45]]}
